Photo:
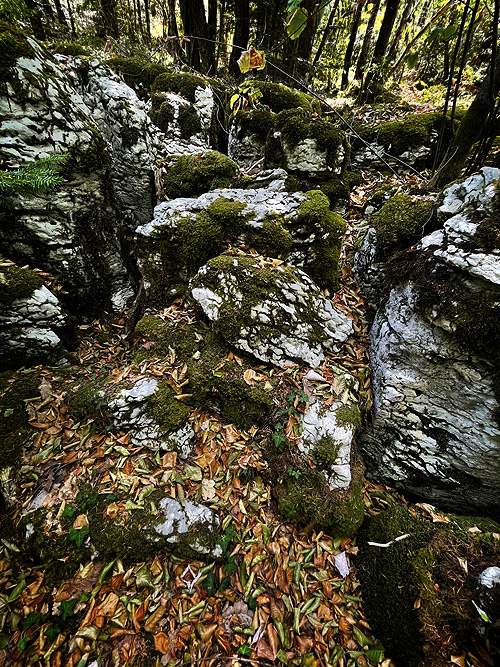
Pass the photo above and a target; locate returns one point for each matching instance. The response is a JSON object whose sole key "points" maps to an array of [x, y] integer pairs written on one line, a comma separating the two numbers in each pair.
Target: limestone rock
{"points": [[186, 233], [136, 411], [31, 318], [271, 310], [193, 526]]}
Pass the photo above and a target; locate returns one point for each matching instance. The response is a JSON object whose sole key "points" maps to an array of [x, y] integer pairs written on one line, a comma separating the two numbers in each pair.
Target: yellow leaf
{"points": [[80, 522], [112, 510]]}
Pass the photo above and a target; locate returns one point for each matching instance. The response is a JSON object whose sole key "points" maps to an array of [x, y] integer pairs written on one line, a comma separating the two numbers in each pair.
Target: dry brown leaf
{"points": [[112, 510], [80, 522], [161, 643], [272, 638]]}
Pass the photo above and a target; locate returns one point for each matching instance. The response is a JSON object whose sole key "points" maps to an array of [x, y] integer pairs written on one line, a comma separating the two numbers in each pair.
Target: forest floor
{"points": [[283, 594]]}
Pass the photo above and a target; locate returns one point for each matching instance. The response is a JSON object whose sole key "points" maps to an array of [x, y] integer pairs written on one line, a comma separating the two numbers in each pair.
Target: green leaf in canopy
{"points": [[296, 22]]}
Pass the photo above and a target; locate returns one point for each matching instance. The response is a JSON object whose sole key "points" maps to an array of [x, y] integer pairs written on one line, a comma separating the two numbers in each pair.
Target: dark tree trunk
{"points": [[350, 45], [61, 17], [374, 80], [241, 34], [36, 19], [400, 29], [326, 33], [108, 8], [139, 16], [71, 19], [201, 54], [306, 40], [365, 47], [221, 46], [212, 34], [148, 19], [470, 129]]}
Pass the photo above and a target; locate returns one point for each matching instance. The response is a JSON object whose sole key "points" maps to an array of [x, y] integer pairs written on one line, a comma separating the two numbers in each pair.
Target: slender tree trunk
{"points": [[36, 19], [400, 29], [221, 47], [61, 17], [363, 54], [326, 33], [350, 45], [201, 54], [241, 34], [470, 129], [139, 17], [212, 35], [148, 20], [108, 8], [71, 19]]}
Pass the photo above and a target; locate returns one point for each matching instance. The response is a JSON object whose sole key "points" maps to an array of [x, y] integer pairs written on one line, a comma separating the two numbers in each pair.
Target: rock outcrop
{"points": [[269, 309], [186, 233], [434, 356]]}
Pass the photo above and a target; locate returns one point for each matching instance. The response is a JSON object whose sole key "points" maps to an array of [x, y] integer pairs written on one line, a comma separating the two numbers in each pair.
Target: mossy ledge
{"points": [[17, 283], [181, 84], [138, 74], [424, 567], [192, 175]]}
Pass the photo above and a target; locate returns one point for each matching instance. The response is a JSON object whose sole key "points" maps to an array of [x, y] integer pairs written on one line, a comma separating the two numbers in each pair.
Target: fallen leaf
{"points": [[80, 522]]}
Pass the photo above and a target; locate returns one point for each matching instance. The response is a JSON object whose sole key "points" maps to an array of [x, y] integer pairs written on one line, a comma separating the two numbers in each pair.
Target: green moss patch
{"points": [[162, 113], [192, 175], [87, 401], [488, 232], [257, 122], [184, 85], [325, 451], [169, 413], [279, 97], [13, 45], [399, 223], [138, 74], [15, 430], [329, 229], [17, 283], [70, 49], [216, 379], [423, 567]]}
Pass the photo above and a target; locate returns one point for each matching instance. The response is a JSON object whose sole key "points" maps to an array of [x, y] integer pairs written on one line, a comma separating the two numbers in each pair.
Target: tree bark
{"points": [[400, 29], [350, 45], [148, 20], [71, 19], [363, 54], [61, 17], [470, 129], [241, 34], [108, 8], [201, 54], [36, 19], [326, 33]]}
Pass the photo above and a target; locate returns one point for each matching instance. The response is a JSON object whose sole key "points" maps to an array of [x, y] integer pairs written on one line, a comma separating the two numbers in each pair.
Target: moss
{"points": [[15, 430], [138, 74], [17, 283], [193, 175], [348, 415], [488, 232], [353, 179], [414, 131], [189, 122], [169, 413], [87, 401], [329, 229], [13, 45], [336, 189], [279, 97], [257, 123], [325, 451], [273, 239], [92, 157], [296, 125], [129, 136], [399, 223], [215, 381], [162, 113], [307, 498], [70, 49], [423, 566], [184, 85]]}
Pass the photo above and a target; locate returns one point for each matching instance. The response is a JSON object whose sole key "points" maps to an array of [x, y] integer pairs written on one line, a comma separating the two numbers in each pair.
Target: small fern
{"points": [[34, 179]]}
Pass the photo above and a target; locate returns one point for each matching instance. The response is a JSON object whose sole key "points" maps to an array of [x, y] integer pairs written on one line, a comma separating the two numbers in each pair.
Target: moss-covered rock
{"points": [[13, 45], [184, 85], [216, 379], [70, 49], [417, 593], [138, 74], [87, 401], [15, 430], [256, 122], [279, 97], [17, 283], [162, 112], [399, 223], [328, 229], [192, 175], [488, 232]]}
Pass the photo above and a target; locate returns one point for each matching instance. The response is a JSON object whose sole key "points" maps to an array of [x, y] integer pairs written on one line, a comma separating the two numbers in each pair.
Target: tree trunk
{"points": [[363, 54], [148, 20], [201, 54], [61, 17], [108, 8], [399, 32], [71, 19], [36, 19], [350, 45], [326, 33], [212, 35], [470, 129], [241, 34], [375, 77], [221, 46]]}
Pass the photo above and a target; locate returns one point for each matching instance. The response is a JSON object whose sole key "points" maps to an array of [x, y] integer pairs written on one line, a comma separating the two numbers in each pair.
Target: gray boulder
{"points": [[434, 357], [269, 309]]}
